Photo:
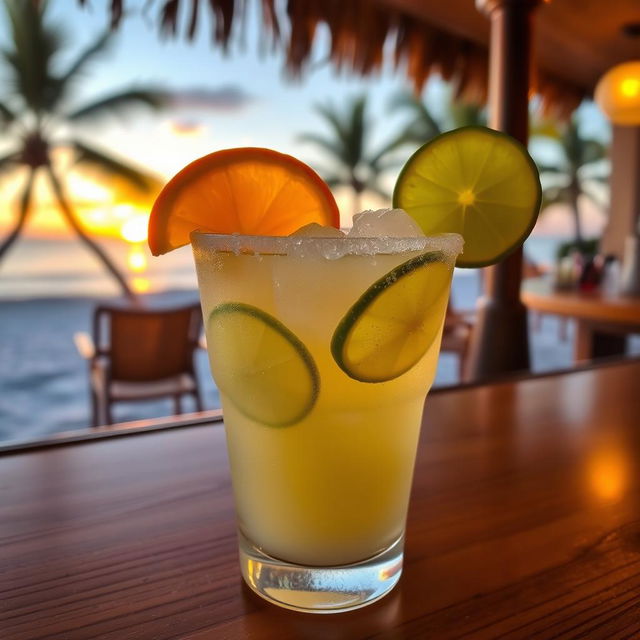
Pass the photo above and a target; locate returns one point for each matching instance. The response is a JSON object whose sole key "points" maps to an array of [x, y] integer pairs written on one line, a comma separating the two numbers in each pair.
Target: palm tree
{"points": [[576, 172], [346, 147], [37, 104], [423, 125]]}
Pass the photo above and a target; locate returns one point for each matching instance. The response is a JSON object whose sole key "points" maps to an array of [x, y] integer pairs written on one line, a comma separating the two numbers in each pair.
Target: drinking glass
{"points": [[321, 459]]}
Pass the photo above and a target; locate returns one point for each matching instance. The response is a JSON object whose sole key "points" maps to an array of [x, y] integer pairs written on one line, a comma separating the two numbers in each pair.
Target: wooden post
{"points": [[500, 342], [624, 211]]}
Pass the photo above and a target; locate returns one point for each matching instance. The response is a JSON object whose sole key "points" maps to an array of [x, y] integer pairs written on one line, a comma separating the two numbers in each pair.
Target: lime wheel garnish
{"points": [[477, 182], [262, 366], [391, 326]]}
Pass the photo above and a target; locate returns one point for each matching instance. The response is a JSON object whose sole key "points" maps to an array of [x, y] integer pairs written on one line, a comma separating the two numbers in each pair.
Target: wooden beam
{"points": [[500, 342]]}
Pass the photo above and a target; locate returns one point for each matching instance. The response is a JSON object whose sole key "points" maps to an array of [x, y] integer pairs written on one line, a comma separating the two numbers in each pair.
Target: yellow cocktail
{"points": [[323, 350], [323, 347]]}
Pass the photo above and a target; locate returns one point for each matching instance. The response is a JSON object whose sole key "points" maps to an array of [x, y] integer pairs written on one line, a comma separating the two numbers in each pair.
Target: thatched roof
{"points": [[364, 31]]}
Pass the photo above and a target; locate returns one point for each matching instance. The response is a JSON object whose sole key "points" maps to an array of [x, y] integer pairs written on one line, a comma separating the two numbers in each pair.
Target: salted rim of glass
{"points": [[449, 243]]}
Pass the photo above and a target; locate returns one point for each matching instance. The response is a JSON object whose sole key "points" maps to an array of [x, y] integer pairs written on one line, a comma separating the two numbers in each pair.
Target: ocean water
{"points": [[48, 291], [63, 268]]}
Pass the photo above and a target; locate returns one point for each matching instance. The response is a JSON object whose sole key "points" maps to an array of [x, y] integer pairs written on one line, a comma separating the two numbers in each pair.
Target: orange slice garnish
{"points": [[248, 190]]}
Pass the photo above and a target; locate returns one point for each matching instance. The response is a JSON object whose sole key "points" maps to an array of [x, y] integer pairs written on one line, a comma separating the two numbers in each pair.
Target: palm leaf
{"points": [[555, 195], [345, 143], [34, 45], [466, 114], [116, 103], [9, 161], [84, 58], [374, 187], [422, 125], [106, 165], [377, 160], [388, 162], [422, 117], [545, 129], [592, 151], [572, 143], [340, 131], [550, 168], [356, 131], [334, 181], [23, 214], [330, 146], [7, 116], [412, 135], [605, 180]]}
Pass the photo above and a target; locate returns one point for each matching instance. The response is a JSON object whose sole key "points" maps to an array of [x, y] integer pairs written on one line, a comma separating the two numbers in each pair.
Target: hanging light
{"points": [[618, 94]]}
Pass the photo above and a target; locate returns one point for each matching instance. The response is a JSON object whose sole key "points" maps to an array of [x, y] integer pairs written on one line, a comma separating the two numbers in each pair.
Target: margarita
{"points": [[323, 350]]}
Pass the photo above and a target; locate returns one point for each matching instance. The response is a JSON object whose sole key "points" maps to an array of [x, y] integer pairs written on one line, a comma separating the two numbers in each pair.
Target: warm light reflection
{"points": [[608, 472], [141, 284], [134, 227], [136, 259], [120, 220]]}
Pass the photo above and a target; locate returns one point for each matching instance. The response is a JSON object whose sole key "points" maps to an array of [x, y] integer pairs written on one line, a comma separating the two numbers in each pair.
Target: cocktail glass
{"points": [[321, 459]]}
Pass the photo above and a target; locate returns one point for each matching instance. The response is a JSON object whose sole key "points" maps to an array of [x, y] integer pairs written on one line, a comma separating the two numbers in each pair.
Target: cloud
{"points": [[224, 98], [186, 127]]}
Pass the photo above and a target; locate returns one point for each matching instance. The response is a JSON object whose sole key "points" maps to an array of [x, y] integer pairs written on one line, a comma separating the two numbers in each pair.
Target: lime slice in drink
{"points": [[395, 321], [264, 369], [476, 182]]}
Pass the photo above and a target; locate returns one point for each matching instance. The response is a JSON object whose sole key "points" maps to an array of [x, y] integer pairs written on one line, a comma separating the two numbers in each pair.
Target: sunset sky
{"points": [[235, 100], [239, 99]]}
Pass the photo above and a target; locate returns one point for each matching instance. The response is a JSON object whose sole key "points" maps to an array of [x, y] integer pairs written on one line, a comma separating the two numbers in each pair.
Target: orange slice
{"points": [[248, 190]]}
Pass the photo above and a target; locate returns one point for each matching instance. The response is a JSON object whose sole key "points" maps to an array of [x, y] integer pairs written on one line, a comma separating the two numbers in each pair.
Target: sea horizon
{"points": [[44, 268]]}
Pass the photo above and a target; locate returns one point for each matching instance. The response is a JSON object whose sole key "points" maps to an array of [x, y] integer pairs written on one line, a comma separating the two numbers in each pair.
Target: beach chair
{"points": [[456, 337], [141, 354]]}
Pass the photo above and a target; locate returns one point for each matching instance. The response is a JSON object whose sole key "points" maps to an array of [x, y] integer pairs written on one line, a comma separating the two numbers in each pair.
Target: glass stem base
{"points": [[320, 589]]}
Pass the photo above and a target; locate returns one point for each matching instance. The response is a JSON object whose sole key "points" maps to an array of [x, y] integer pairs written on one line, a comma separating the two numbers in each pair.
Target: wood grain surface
{"points": [[524, 524]]}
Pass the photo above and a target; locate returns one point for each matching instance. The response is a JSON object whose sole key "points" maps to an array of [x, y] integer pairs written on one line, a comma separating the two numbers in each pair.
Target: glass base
{"points": [[321, 589]]}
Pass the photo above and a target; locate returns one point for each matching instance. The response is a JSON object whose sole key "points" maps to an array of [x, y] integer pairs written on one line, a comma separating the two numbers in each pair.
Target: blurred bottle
{"points": [[630, 284], [591, 273], [610, 281]]}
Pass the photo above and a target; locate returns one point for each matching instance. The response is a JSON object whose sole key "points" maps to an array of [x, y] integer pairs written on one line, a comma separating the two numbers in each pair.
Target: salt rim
{"points": [[329, 248]]}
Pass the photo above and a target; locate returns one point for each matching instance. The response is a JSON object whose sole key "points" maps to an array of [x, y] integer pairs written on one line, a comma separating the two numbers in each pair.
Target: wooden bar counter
{"points": [[524, 524]]}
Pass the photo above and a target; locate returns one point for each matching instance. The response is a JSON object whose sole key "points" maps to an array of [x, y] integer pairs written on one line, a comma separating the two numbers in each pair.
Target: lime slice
{"points": [[264, 369], [476, 182], [395, 321]]}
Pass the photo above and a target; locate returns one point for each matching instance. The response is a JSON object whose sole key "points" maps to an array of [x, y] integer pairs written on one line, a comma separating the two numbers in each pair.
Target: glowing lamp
{"points": [[618, 93]]}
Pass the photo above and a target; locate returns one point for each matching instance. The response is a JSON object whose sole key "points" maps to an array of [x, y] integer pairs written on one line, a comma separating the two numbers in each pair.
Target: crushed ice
{"points": [[387, 223]]}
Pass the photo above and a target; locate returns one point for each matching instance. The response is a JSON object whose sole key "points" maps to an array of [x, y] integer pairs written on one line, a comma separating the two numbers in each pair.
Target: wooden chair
{"points": [[458, 325], [456, 337], [141, 354]]}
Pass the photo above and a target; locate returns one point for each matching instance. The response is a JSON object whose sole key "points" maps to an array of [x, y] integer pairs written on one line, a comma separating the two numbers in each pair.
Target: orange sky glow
{"points": [[101, 212]]}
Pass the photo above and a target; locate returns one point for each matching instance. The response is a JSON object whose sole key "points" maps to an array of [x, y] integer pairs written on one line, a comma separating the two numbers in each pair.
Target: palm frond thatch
{"points": [[360, 32]]}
